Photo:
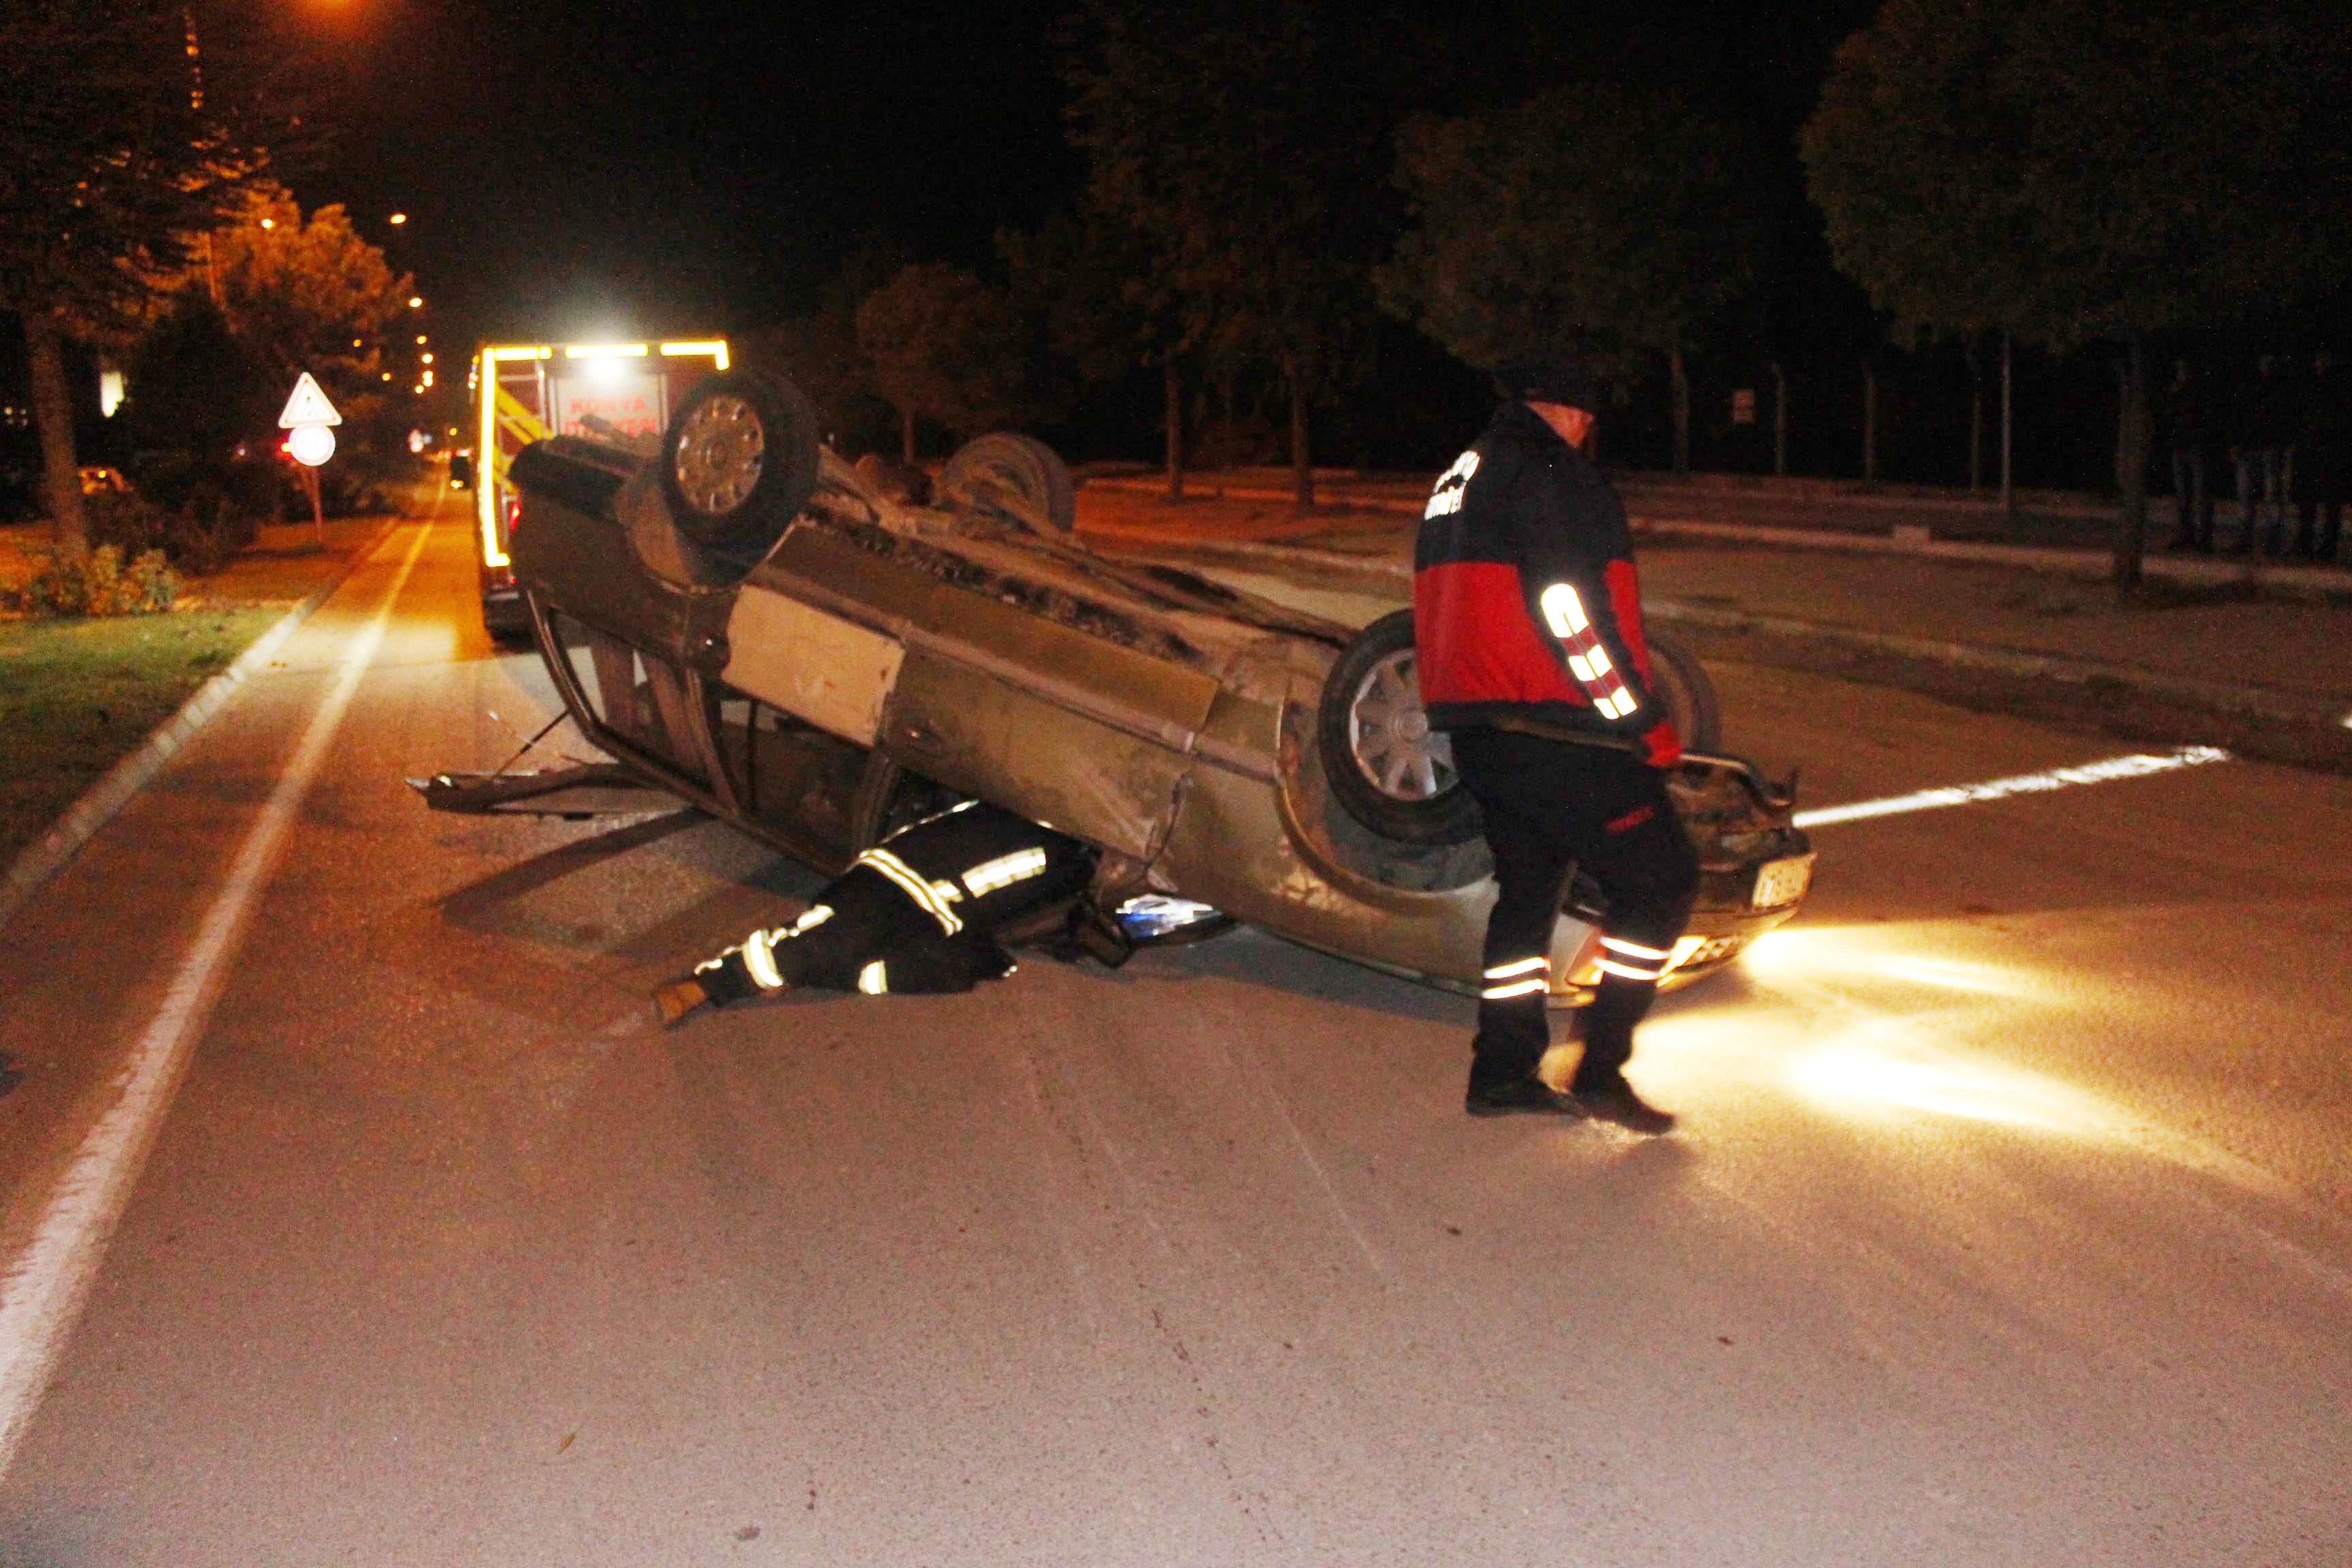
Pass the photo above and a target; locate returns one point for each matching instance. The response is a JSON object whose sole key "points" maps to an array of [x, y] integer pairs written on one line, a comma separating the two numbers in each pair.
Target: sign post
{"points": [[308, 420]]}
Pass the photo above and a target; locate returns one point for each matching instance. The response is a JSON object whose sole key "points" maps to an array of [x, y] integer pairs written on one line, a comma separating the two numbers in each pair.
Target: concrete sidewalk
{"points": [[2055, 533], [2191, 644]]}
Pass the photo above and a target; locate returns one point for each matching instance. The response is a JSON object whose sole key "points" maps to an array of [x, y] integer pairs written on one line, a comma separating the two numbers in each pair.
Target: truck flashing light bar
{"points": [[494, 554]]}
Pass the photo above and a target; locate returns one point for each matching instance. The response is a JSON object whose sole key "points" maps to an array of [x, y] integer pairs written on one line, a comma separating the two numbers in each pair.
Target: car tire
{"points": [[739, 461], [1680, 682], [1395, 775], [1391, 771], [1016, 473]]}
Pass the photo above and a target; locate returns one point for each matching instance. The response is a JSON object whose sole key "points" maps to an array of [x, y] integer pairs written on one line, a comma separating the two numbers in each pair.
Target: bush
{"points": [[197, 536], [97, 583]]}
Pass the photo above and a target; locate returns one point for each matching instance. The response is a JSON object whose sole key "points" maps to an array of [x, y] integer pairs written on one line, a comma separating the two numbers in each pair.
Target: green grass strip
{"points": [[77, 695]]}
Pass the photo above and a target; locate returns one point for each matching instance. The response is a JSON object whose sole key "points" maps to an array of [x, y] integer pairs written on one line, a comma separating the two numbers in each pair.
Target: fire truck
{"points": [[616, 392]]}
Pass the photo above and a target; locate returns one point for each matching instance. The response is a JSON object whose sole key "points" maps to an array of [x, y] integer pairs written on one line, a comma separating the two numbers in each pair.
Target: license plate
{"points": [[1780, 882]]}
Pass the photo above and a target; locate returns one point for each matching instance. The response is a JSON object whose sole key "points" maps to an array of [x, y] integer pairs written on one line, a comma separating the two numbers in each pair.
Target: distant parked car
{"points": [[747, 622]]}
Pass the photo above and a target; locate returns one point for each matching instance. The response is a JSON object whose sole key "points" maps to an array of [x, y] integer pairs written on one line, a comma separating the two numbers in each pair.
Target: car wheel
{"points": [[1016, 473], [739, 460], [1395, 774], [1391, 771], [1681, 683]]}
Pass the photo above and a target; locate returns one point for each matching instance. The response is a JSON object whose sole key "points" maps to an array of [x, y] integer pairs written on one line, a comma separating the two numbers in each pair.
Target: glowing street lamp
{"points": [[415, 302], [397, 218]]}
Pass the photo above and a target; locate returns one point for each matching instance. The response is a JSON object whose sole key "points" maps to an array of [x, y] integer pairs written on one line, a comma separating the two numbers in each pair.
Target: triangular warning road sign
{"points": [[309, 405]]}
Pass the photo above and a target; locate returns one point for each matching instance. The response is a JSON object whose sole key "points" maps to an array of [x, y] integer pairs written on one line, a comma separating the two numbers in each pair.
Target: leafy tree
{"points": [[267, 297], [2076, 171], [945, 347], [1246, 145], [1107, 303], [194, 388], [114, 153], [307, 295], [819, 351], [1595, 218]]}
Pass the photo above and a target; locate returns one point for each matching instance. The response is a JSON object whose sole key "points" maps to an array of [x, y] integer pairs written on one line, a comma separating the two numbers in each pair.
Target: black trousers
{"points": [[1552, 806]]}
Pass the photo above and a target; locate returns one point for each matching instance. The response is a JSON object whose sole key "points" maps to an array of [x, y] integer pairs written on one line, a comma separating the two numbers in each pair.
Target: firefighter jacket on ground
{"points": [[1526, 608], [918, 913]]}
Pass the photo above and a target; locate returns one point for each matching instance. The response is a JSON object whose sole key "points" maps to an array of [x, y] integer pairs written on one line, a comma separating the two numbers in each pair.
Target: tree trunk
{"points": [[1975, 418], [1681, 376], [1302, 461], [1171, 383], [1869, 423], [907, 437], [2131, 464], [53, 418], [2008, 416], [1780, 420]]}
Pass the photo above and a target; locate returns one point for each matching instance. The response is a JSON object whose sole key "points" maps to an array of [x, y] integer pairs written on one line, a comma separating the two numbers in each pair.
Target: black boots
{"points": [[1600, 1085], [1599, 1090], [1605, 1098], [1608, 1098]]}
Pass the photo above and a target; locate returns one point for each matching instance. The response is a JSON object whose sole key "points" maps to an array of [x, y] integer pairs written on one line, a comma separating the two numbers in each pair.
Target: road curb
{"points": [[2257, 701], [120, 783], [2253, 700]]}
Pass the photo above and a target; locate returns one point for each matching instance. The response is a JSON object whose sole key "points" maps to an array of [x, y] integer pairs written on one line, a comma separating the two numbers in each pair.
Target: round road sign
{"points": [[310, 445]]}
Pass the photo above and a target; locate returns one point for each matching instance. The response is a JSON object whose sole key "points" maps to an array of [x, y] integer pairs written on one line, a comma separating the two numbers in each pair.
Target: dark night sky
{"points": [[590, 168], [576, 169]]}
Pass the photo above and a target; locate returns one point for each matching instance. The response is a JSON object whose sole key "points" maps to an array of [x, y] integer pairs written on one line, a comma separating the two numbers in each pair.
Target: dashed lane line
{"points": [[2138, 765], [42, 1290]]}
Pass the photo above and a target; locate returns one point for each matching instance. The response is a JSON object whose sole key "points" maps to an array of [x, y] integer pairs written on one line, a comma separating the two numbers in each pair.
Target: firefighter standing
{"points": [[1527, 618]]}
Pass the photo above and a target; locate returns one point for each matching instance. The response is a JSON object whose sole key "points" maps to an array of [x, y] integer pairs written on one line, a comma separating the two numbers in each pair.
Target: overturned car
{"points": [[819, 653]]}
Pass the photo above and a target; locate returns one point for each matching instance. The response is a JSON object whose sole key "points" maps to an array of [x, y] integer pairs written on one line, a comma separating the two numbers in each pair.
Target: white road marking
{"points": [[42, 1290], [2138, 765]]}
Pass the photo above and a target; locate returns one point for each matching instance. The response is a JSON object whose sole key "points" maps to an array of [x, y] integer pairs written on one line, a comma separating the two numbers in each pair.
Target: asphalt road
{"points": [[2010, 1223]]}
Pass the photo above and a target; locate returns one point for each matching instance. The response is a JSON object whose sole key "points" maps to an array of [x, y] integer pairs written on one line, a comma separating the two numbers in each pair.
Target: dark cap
{"points": [[1548, 379]]}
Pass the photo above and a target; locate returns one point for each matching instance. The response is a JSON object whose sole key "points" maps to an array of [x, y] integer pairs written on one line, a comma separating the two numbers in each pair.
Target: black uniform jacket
{"points": [[974, 864], [1526, 607]]}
